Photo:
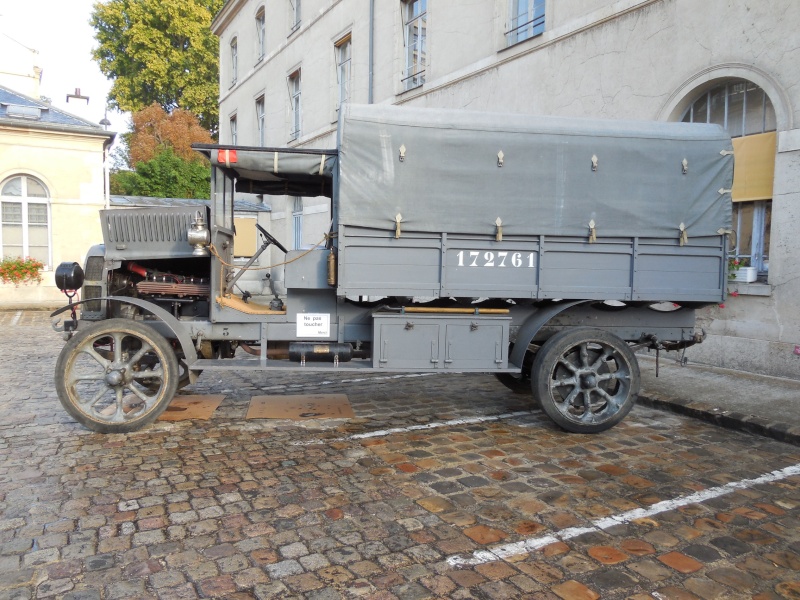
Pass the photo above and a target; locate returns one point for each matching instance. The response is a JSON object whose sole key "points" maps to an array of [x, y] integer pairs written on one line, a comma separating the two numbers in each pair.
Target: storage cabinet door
{"points": [[409, 345], [475, 346]]}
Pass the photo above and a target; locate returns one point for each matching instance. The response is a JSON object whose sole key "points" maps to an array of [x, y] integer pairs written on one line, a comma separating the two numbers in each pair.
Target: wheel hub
{"points": [[589, 381], [115, 377]]}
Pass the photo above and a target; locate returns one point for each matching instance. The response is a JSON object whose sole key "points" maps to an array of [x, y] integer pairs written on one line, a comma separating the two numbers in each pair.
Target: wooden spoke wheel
{"points": [[116, 376]]}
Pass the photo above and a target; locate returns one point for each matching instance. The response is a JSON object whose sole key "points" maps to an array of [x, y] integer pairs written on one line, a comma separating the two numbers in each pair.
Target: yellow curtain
{"points": [[754, 167]]}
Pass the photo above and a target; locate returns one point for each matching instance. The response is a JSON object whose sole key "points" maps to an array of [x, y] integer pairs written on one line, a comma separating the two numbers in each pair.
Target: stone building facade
{"points": [[286, 65], [52, 184]]}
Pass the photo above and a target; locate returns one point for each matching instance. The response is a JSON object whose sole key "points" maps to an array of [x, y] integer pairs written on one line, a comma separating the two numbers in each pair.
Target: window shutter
{"points": [[245, 242], [753, 167]]}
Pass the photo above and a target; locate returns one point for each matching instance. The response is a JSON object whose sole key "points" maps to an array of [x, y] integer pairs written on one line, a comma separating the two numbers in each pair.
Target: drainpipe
{"points": [[106, 179], [370, 99], [107, 169]]}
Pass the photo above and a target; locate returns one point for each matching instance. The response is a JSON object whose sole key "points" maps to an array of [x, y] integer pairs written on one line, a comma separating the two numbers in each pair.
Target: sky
{"points": [[59, 31]]}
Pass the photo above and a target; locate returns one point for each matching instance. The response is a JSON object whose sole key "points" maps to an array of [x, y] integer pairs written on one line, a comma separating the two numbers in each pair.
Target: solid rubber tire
{"points": [[555, 347]]}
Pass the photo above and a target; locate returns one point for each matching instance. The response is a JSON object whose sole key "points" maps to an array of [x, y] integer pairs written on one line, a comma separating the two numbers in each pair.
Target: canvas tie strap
{"points": [[397, 220], [684, 237], [592, 232], [499, 232]]}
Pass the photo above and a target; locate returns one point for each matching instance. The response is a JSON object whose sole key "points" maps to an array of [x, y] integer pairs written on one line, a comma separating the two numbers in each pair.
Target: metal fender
{"points": [[528, 330], [184, 339]]}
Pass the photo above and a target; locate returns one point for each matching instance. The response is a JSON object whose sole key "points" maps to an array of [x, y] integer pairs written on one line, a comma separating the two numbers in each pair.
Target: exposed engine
{"points": [[180, 286], [156, 283]]}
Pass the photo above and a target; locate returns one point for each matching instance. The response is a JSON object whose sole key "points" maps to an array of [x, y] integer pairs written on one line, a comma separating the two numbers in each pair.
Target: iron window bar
{"points": [[537, 23], [418, 73], [296, 19]]}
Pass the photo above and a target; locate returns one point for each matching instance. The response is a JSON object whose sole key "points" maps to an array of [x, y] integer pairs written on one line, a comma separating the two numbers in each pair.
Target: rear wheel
{"points": [[585, 379], [116, 376], [519, 384]]}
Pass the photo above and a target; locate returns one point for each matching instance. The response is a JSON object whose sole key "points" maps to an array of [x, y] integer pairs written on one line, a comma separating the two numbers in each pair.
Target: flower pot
{"points": [[745, 275]]}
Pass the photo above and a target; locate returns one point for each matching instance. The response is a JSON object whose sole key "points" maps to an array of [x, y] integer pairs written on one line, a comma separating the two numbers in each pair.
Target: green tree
{"points": [[166, 175], [160, 51]]}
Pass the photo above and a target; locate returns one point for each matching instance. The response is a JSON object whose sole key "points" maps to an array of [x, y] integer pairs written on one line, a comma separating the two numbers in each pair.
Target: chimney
{"points": [[77, 96]]}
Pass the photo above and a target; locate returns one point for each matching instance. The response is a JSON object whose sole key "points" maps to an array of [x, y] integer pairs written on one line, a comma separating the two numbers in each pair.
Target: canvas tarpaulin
{"points": [[556, 174], [275, 171]]}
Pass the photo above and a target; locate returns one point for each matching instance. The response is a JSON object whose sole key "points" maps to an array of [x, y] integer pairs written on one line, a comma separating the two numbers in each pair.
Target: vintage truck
{"points": [[542, 250]]}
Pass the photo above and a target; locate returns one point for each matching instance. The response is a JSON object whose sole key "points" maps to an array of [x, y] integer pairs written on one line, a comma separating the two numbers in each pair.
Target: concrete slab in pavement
{"points": [[759, 404]]}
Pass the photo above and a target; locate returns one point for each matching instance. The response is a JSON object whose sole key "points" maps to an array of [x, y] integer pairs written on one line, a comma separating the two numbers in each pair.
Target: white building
{"points": [[286, 65]]}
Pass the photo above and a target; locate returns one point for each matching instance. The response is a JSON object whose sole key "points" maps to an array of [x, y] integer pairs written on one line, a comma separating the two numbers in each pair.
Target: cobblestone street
{"points": [[443, 486]]}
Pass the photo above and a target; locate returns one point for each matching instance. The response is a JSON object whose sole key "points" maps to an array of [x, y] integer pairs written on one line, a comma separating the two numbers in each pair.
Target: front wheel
{"points": [[116, 376], [585, 379]]}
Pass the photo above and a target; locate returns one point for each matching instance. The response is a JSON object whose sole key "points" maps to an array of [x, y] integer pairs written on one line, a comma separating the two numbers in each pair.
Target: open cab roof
{"points": [[275, 171]]}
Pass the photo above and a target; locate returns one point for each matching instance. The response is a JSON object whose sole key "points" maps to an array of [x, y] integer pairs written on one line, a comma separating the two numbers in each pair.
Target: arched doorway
{"points": [[747, 112]]}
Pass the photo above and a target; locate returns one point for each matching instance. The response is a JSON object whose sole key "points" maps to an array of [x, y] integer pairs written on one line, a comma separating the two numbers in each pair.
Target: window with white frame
{"points": [[295, 14], [526, 20], [297, 223], [25, 211], [234, 137], [415, 32], [745, 110], [343, 55], [260, 121], [261, 34], [234, 60], [294, 105]]}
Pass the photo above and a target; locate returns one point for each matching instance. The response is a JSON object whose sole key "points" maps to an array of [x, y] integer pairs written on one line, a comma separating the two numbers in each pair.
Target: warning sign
{"points": [[313, 325]]}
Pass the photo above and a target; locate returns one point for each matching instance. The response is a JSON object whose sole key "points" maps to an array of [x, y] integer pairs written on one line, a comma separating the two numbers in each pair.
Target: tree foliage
{"points": [[153, 129], [160, 51], [157, 158], [166, 175]]}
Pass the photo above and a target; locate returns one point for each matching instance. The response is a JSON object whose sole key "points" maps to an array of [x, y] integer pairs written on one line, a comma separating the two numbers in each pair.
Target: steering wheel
{"points": [[270, 238]]}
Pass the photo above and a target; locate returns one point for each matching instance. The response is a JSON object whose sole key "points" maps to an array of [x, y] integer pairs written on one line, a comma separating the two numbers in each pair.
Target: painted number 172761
{"points": [[475, 258]]}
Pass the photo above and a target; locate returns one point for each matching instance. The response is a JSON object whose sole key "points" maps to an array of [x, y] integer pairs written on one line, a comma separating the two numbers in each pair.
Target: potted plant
{"points": [[17, 270], [739, 270]]}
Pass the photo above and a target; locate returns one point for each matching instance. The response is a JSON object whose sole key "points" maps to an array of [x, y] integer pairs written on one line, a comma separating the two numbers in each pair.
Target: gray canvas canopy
{"points": [[275, 171], [459, 171]]}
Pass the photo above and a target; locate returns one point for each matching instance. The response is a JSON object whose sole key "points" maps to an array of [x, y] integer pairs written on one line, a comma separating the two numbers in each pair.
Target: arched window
{"points": [[746, 111], [25, 218], [234, 60], [261, 34]]}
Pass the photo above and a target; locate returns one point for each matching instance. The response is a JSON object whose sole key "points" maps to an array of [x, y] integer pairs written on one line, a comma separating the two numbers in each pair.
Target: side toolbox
{"points": [[435, 341]]}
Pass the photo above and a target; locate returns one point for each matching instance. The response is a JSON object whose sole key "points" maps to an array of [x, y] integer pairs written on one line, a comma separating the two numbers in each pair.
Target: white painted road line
{"points": [[526, 546], [16, 318], [435, 425]]}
